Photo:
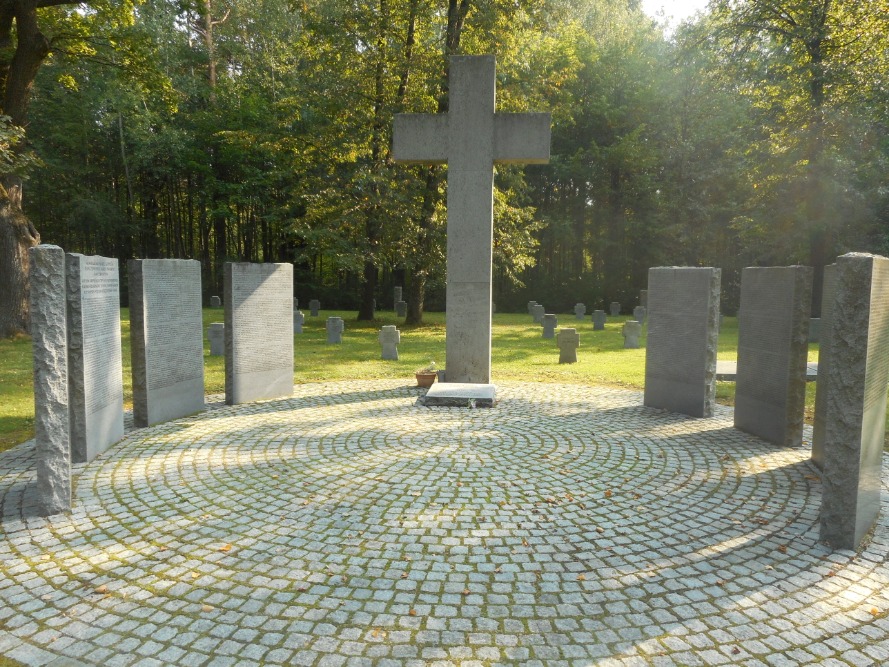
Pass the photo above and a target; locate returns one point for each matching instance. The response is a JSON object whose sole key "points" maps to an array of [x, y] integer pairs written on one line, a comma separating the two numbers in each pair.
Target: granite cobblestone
{"points": [[348, 526]]}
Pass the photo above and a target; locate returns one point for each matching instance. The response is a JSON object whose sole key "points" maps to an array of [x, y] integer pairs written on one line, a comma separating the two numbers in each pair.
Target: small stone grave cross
{"points": [[639, 314], [216, 336], [215, 302], [401, 309], [568, 341], [631, 332], [390, 337], [471, 138], [615, 309], [298, 319], [335, 326], [314, 307], [538, 312], [579, 311], [598, 318], [550, 322], [531, 305]]}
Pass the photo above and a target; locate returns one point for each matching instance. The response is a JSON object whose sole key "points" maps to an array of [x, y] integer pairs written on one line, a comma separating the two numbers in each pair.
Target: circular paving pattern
{"points": [[346, 526]]}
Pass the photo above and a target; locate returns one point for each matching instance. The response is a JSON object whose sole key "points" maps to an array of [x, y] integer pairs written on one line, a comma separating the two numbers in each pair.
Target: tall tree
{"points": [[29, 32]]}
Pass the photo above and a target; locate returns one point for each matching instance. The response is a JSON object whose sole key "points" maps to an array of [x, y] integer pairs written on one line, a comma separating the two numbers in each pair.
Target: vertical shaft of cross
{"points": [[470, 219]]}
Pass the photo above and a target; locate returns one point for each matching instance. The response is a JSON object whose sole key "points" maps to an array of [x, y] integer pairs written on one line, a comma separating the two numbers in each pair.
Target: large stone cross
{"points": [[470, 138]]}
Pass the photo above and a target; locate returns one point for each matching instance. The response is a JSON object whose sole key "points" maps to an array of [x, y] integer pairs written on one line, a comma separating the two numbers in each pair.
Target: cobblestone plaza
{"points": [[346, 525]]}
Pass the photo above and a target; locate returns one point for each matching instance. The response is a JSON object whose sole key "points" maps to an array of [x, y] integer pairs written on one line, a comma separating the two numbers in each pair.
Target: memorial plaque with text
{"points": [[95, 367], [855, 419], [683, 332], [166, 339], [258, 331], [770, 394]]}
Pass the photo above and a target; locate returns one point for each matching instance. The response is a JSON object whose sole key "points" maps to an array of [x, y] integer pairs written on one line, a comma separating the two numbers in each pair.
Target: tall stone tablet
{"points": [[50, 344], [855, 419], [773, 328], [166, 339], [819, 430], [258, 331], [683, 332], [95, 366], [471, 138]]}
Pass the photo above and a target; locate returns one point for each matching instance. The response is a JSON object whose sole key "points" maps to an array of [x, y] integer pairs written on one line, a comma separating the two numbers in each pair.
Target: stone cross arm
{"points": [[519, 138]]}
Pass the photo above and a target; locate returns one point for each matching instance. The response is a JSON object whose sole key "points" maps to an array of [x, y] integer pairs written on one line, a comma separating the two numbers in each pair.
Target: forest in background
{"points": [[260, 130]]}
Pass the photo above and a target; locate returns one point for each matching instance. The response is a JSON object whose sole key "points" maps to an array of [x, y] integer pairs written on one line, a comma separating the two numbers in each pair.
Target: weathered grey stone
{"points": [[615, 309], [166, 339], [50, 348], [401, 309], [856, 399], [770, 393], [335, 327], [95, 366], [579, 311], [215, 302], [216, 336], [397, 294], [631, 331], [295, 303], [460, 395], [537, 311], [819, 427], [531, 305], [814, 329], [568, 342], [471, 138], [550, 322], [639, 314], [683, 336], [598, 318], [643, 298], [314, 307], [299, 319], [390, 337], [258, 331]]}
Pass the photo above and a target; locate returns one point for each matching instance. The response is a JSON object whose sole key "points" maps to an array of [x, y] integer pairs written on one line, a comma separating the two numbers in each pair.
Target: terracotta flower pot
{"points": [[425, 379]]}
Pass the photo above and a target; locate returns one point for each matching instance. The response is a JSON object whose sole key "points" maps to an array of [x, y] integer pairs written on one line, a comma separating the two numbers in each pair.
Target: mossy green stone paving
{"points": [[519, 353]]}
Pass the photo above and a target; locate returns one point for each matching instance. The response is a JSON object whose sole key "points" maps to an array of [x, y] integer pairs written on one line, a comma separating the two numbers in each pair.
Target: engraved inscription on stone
{"points": [[878, 339], [173, 334], [258, 331], [680, 359], [100, 290], [264, 332]]}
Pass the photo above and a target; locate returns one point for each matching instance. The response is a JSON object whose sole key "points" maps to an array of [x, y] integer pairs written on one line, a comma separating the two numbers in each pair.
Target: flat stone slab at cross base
{"points": [[459, 395]]}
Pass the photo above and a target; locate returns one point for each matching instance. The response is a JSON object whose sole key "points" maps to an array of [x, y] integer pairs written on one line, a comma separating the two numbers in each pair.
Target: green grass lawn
{"points": [[520, 353]]}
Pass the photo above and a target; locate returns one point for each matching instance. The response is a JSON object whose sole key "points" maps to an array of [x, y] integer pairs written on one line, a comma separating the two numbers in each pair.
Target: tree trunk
{"points": [[17, 235]]}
